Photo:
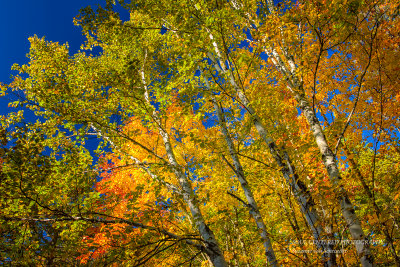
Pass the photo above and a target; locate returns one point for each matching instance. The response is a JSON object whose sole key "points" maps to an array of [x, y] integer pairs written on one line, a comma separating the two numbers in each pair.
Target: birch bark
{"points": [[347, 208], [252, 204], [212, 247]]}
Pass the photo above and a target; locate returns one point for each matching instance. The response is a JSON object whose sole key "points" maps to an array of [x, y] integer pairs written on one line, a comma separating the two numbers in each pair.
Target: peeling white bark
{"points": [[213, 249], [252, 204]]}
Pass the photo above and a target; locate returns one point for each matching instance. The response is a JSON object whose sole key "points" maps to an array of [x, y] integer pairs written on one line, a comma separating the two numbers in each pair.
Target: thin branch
{"points": [[238, 198], [358, 90], [109, 221]]}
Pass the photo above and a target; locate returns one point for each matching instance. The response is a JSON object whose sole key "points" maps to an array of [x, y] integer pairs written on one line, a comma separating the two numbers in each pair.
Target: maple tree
{"points": [[231, 133]]}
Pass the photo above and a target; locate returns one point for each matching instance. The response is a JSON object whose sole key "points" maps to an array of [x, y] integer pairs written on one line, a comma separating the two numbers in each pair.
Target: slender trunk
{"points": [[329, 232], [214, 251], [254, 210], [300, 191], [296, 86], [212, 247], [296, 228]]}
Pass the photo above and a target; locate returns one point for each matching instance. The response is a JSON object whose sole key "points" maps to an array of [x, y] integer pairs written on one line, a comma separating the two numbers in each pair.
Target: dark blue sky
{"points": [[24, 18]]}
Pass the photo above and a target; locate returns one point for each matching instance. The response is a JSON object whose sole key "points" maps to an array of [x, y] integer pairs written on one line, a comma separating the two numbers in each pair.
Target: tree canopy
{"points": [[230, 133]]}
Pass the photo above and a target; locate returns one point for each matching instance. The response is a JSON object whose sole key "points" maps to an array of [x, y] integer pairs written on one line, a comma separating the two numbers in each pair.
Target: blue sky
{"points": [[21, 19]]}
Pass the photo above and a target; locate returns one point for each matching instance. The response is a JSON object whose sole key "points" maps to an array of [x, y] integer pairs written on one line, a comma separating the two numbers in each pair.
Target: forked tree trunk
{"points": [[299, 189], [328, 157], [347, 208]]}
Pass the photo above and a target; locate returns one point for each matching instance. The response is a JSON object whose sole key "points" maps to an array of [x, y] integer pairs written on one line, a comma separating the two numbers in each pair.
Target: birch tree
{"points": [[208, 112]]}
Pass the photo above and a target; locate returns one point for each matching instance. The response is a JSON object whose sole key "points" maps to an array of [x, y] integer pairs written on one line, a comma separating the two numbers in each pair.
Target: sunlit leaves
{"points": [[148, 79]]}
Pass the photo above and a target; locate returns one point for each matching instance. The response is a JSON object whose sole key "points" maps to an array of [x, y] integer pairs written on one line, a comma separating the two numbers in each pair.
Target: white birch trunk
{"points": [[299, 189], [254, 211], [212, 247]]}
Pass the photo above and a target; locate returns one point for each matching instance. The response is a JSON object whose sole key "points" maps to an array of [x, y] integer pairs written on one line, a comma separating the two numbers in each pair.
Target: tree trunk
{"points": [[296, 86], [238, 169], [213, 249]]}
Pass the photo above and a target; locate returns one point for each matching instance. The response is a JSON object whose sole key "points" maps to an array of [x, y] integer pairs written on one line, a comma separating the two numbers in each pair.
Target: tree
{"points": [[39, 189], [208, 111]]}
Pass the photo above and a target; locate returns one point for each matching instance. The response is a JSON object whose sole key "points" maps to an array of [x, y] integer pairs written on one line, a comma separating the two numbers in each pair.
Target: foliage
{"points": [[175, 182]]}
